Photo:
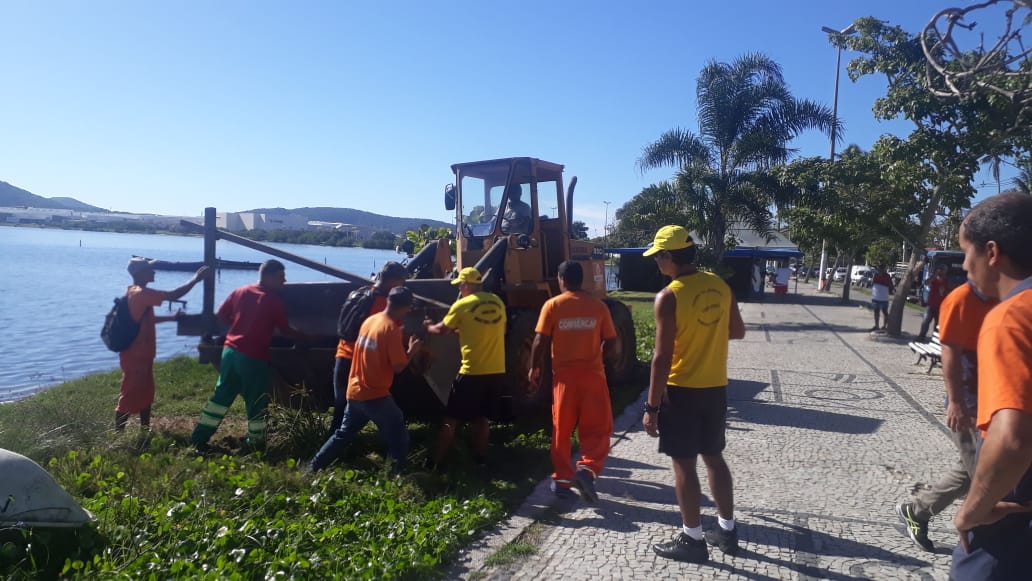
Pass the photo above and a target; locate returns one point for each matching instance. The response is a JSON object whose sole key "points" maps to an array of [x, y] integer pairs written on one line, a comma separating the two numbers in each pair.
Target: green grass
{"points": [[640, 304], [163, 511], [510, 554]]}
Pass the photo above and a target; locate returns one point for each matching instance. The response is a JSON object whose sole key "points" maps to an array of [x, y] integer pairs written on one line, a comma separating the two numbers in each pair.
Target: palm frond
{"points": [[675, 148]]}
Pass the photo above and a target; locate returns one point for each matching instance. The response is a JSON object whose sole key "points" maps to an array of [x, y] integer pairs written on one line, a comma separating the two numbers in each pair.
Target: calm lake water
{"points": [[57, 285]]}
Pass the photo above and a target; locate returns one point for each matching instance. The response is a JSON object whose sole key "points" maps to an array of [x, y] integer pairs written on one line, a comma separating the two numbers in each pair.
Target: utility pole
{"points": [[822, 281], [605, 227]]}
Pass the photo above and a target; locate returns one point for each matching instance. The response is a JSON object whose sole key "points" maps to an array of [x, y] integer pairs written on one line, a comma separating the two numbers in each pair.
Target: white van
{"points": [[859, 272]]}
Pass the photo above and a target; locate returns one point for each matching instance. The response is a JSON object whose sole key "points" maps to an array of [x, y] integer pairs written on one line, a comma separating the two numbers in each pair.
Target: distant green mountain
{"points": [[357, 218], [13, 197]]}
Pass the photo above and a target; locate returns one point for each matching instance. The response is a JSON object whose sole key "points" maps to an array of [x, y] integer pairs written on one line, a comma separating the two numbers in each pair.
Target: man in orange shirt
{"points": [[137, 362], [575, 325], [994, 522], [393, 274], [960, 319], [379, 354]]}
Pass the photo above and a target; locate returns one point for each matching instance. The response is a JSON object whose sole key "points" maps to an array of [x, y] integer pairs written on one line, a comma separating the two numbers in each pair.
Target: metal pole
{"points": [[210, 236], [834, 122], [605, 227]]}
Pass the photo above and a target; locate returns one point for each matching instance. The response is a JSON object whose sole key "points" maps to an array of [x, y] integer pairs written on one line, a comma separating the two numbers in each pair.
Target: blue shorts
{"points": [[999, 551], [879, 305]]}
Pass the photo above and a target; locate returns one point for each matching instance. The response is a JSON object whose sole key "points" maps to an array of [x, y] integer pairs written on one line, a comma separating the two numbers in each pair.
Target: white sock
{"points": [[726, 524], [693, 532]]}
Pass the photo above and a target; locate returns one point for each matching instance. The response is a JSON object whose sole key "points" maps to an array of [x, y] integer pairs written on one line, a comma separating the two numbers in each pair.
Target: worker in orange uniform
{"points": [[137, 361], [372, 299], [574, 325], [379, 355]]}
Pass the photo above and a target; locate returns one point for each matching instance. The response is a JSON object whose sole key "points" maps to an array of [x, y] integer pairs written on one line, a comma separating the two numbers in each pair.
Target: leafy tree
{"points": [[935, 164], [384, 240], [883, 252], [579, 230], [425, 235], [637, 220], [844, 202], [747, 117], [1023, 181]]}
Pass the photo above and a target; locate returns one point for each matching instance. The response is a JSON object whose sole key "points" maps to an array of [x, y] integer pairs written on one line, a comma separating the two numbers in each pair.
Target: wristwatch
{"points": [[649, 409]]}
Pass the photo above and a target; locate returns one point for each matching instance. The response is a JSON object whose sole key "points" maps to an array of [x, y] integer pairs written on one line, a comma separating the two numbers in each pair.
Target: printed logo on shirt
{"points": [[486, 313], [367, 343], [707, 305], [578, 324]]}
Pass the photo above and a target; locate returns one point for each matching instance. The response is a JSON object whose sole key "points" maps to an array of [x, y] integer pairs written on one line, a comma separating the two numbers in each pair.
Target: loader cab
{"points": [[512, 218]]}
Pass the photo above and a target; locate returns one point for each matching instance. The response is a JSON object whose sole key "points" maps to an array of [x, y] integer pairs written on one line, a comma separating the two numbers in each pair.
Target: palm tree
{"points": [[1023, 181], [746, 119]]}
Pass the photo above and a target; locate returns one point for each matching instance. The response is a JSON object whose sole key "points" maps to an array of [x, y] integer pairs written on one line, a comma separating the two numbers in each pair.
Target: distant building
{"points": [[246, 221]]}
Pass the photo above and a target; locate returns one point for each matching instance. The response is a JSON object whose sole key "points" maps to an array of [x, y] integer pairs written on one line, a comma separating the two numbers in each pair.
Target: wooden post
{"points": [[211, 235]]}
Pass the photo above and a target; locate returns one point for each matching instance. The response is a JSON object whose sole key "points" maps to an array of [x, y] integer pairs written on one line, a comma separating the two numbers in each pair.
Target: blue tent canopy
{"points": [[764, 252]]}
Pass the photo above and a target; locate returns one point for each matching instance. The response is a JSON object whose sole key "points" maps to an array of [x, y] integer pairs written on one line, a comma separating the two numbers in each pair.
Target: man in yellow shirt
{"points": [[696, 315], [479, 319]]}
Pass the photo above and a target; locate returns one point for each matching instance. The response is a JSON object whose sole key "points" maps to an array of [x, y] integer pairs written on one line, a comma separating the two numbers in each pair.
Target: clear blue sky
{"points": [[168, 107]]}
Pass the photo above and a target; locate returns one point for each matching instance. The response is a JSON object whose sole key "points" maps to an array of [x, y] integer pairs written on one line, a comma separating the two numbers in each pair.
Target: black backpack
{"points": [[120, 330], [354, 312]]}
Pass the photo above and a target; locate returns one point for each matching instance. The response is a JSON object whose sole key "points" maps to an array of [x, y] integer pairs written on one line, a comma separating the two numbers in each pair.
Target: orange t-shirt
{"points": [[577, 323], [141, 303], [960, 317], [378, 349], [346, 349], [1005, 358]]}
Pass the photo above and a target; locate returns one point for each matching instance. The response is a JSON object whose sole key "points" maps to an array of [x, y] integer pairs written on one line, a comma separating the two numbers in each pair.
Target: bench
{"points": [[931, 351]]}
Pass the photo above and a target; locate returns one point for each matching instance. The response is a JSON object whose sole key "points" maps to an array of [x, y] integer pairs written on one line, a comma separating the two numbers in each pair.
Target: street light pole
{"points": [[605, 227], [822, 276]]}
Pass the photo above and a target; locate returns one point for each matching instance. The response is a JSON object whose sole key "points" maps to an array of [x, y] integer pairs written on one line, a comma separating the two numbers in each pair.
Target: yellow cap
{"points": [[470, 275], [670, 238]]}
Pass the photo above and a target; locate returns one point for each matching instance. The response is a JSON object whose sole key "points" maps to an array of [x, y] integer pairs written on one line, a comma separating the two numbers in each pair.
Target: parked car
{"points": [[859, 274], [865, 280], [840, 274]]}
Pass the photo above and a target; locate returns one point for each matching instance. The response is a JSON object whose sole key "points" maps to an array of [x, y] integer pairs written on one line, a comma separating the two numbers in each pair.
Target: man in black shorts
{"points": [[687, 400], [479, 319]]}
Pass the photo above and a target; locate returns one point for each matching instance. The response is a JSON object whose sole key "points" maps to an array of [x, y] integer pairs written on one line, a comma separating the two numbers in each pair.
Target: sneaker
{"points": [[584, 481], [726, 541], [563, 492], [917, 528], [683, 548]]}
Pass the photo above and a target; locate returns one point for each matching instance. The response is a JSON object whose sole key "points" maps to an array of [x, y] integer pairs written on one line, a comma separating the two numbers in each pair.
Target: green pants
{"points": [[240, 375]]}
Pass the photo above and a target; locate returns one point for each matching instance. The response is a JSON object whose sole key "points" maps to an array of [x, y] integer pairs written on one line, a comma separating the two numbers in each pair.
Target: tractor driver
{"points": [[516, 219]]}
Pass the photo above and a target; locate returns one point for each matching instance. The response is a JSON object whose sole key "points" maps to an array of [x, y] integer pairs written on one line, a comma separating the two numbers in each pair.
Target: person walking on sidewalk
{"points": [[696, 315], [379, 354], [373, 300], [479, 319], [881, 288], [137, 361], [576, 327], [253, 314], [960, 320], [995, 522], [937, 289]]}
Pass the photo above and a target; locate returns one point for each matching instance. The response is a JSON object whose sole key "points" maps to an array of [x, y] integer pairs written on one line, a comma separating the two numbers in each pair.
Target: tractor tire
{"points": [[622, 370], [519, 339]]}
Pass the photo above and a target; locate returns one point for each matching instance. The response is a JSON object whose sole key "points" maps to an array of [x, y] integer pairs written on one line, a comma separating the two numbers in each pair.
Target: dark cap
{"points": [[400, 297], [393, 271]]}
